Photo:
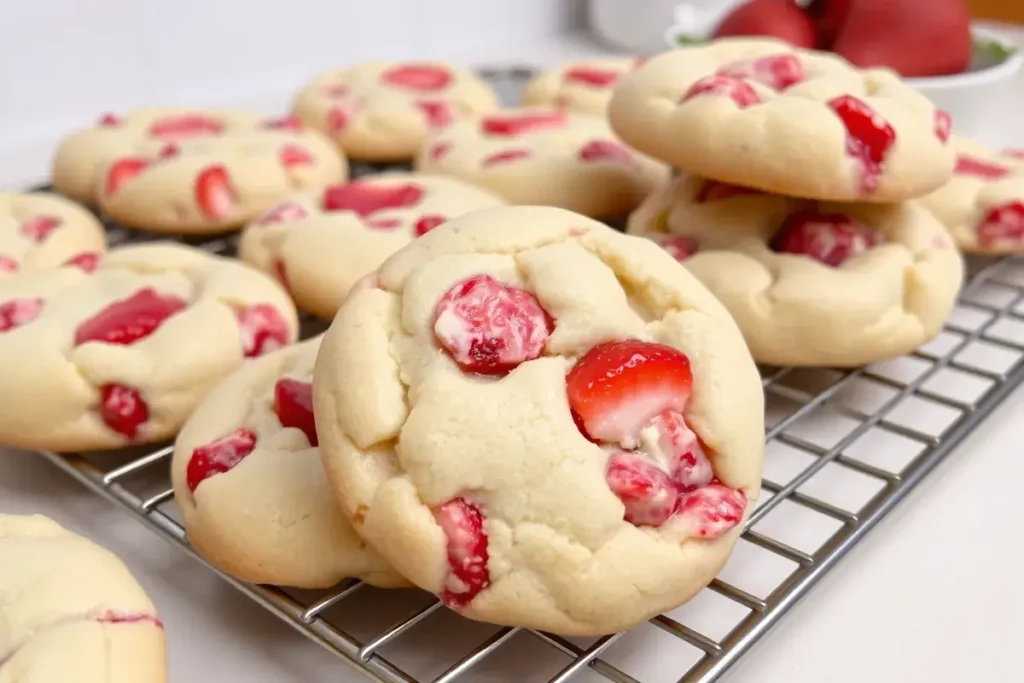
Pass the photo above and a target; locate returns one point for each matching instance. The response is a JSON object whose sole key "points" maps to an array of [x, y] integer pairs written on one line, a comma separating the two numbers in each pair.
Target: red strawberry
{"points": [[438, 114], [86, 261], [463, 527], [739, 91], [126, 321], [421, 77], [186, 125], [427, 223], [293, 404], [829, 16], [38, 228], [294, 155], [218, 457], [966, 165], [17, 312], [366, 198], [505, 156], [123, 170], [122, 409], [262, 328], [607, 150], [782, 19], [598, 78], [214, 194], [8, 264], [109, 120], [526, 122], [617, 388]]}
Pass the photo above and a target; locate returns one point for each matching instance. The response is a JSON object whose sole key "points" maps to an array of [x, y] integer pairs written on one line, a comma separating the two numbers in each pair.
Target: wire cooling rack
{"points": [[843, 448]]}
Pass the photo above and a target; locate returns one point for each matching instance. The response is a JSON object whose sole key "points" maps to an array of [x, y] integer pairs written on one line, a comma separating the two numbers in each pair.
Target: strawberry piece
{"points": [[8, 264], [711, 511], [293, 405], [438, 114], [38, 228], [616, 388], [122, 409], [438, 151], [338, 119], [294, 155], [218, 457], [214, 194], [127, 321], [169, 151], [966, 165], [284, 212], [284, 123], [186, 125], [869, 137], [649, 495], [829, 238], [671, 441], [509, 125], [505, 156], [679, 247], [463, 526], [86, 261], [419, 77], [490, 328], [592, 76], [123, 170], [1014, 153], [607, 150], [109, 120], [16, 313], [263, 329], [778, 72], [1002, 224], [365, 198], [427, 223], [714, 190], [112, 617], [737, 90], [943, 125]]}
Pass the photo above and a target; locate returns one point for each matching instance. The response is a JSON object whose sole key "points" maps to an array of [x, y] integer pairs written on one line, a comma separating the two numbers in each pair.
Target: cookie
{"points": [[383, 111], [71, 610], [545, 422], [983, 205], [585, 87], [192, 171], [43, 230], [545, 156], [122, 355], [811, 284], [760, 113], [319, 243], [253, 438]]}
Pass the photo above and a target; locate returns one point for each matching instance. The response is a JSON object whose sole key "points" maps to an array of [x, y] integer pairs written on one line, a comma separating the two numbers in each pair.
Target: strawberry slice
{"points": [[366, 198], [712, 510], [168, 151], [122, 409], [127, 321], [109, 120], [649, 495], [966, 165], [943, 125], [829, 238], [123, 170], [263, 329], [38, 228], [284, 212], [869, 137], [592, 76], [1002, 224], [607, 150], [293, 405], [218, 457], [509, 125], [739, 91], [679, 247], [338, 119], [438, 114], [427, 223], [438, 151], [294, 155], [214, 194], [778, 72], [86, 261], [8, 264], [187, 125], [505, 156], [18, 312], [463, 527], [419, 77], [616, 388]]}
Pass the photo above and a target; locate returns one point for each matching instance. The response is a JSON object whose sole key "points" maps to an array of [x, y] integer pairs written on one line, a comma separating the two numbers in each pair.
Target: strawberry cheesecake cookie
{"points": [[760, 113], [811, 284], [71, 611], [983, 205], [585, 87], [253, 438], [542, 421], [383, 111], [546, 156], [192, 172], [43, 230], [319, 243], [122, 354]]}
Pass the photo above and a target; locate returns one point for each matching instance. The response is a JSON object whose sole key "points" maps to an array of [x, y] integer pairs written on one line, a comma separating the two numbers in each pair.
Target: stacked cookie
{"points": [[794, 205]]}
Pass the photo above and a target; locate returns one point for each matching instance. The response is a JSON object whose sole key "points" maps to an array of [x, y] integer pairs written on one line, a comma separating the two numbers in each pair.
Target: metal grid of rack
{"points": [[843, 448]]}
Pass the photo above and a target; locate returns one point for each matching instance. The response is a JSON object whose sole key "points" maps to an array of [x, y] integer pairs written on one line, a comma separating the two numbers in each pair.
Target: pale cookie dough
{"points": [[249, 481], [319, 243], [186, 171], [811, 284], [383, 111], [43, 230], [760, 113], [122, 355], [545, 156], [585, 86], [70, 611], [445, 394], [983, 205]]}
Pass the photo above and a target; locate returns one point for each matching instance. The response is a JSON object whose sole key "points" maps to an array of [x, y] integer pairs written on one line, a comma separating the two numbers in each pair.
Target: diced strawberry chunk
{"points": [[649, 495], [126, 321], [186, 125], [218, 457], [366, 198], [122, 409], [505, 156], [293, 405], [966, 165], [670, 441], [169, 151], [214, 194], [616, 388], [1002, 224], [419, 77], [831, 239], [38, 228], [943, 125], [294, 155], [463, 526], [439, 114], [438, 151], [8, 264], [739, 91], [338, 119], [263, 329], [778, 72], [869, 137], [490, 328], [679, 247], [711, 511], [16, 313], [108, 120], [714, 190], [607, 150], [86, 261], [284, 123], [427, 223], [123, 170], [592, 76], [284, 212], [527, 122]]}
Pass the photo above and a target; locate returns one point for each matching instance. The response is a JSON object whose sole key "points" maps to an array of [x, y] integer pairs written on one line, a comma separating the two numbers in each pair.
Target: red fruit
{"points": [[439, 114], [294, 155], [187, 125], [122, 409], [592, 76], [18, 312], [527, 122], [1002, 224], [86, 261], [463, 527], [649, 495], [869, 137], [439, 150], [966, 165], [263, 329], [214, 194], [714, 190], [283, 213], [781, 19], [218, 457], [505, 156], [607, 150], [111, 617], [829, 17], [712, 510], [1014, 153], [421, 77], [284, 123], [8, 264], [168, 151], [127, 321], [831, 239], [293, 405], [490, 328], [365, 198], [738, 91], [123, 170], [943, 125], [338, 119], [616, 388], [680, 450], [679, 247], [778, 72], [38, 228], [427, 223], [109, 120]]}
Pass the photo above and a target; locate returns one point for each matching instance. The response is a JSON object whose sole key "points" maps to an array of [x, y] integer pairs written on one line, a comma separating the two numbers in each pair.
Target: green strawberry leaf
{"points": [[988, 53], [685, 41]]}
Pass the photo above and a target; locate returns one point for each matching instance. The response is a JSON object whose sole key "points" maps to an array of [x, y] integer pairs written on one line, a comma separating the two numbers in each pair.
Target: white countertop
{"points": [[933, 594]]}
